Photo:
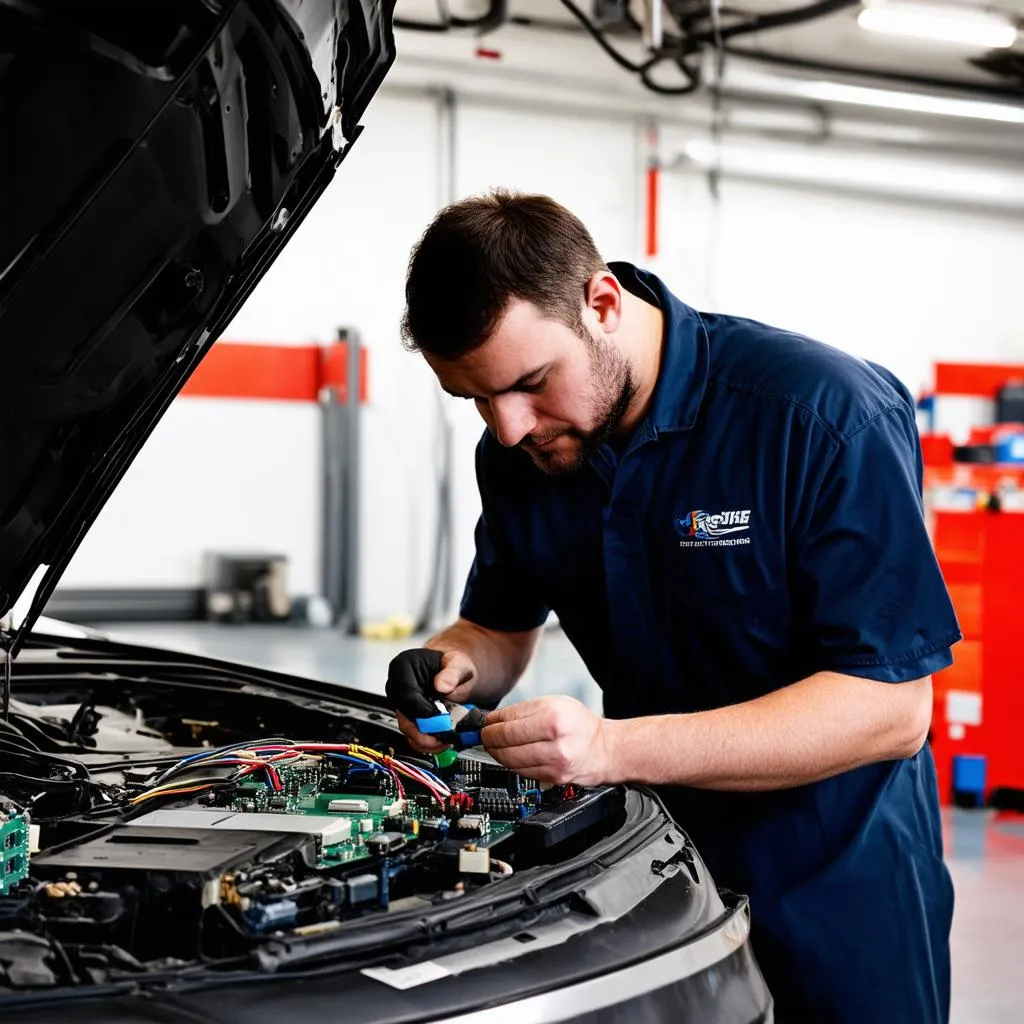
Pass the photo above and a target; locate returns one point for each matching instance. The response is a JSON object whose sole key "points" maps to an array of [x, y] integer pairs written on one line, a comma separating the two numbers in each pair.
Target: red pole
{"points": [[653, 184]]}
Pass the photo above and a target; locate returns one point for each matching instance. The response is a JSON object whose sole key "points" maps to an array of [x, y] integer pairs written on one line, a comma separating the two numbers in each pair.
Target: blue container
{"points": [[969, 774]]}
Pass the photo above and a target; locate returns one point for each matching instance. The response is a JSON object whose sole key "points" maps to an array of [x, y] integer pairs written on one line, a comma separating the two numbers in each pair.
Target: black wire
{"points": [[672, 90], [921, 81], [643, 70], [599, 38], [778, 19], [422, 26], [45, 758]]}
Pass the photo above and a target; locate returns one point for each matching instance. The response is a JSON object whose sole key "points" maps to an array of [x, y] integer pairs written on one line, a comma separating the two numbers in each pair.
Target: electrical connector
{"points": [[474, 861]]}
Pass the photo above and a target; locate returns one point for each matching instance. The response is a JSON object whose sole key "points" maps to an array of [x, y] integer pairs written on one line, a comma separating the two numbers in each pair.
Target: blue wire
{"points": [[431, 776], [230, 748], [372, 765]]}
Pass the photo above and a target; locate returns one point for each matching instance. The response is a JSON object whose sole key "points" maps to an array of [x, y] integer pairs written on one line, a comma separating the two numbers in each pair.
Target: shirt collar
{"points": [[683, 375]]}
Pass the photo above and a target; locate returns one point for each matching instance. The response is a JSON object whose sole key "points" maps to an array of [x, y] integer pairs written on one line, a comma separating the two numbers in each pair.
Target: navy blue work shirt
{"points": [[763, 523]]}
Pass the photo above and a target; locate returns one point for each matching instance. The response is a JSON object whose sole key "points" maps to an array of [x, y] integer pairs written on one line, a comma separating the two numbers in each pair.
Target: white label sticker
{"points": [[963, 707], [408, 977]]}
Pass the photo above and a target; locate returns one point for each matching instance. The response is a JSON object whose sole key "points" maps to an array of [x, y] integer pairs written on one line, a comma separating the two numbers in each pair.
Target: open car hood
{"points": [[154, 160]]}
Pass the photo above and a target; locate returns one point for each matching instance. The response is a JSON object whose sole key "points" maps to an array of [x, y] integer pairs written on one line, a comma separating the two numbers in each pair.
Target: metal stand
{"points": [[340, 421]]}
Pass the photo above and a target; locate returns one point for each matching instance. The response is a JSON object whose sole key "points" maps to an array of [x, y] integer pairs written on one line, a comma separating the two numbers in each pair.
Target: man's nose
{"points": [[513, 418]]}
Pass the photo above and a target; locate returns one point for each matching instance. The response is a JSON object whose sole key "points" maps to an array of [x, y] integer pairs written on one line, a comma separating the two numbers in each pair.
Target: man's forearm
{"points": [[500, 658], [816, 728]]}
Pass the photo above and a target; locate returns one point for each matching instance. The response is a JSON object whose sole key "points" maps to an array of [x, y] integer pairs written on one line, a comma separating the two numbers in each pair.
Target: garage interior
{"points": [[850, 171]]}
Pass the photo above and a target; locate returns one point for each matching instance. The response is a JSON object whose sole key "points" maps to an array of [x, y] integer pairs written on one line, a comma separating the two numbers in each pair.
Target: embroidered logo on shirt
{"points": [[711, 530]]}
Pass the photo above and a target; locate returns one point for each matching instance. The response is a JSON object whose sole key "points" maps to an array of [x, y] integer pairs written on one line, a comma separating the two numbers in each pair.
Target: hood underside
{"points": [[154, 159]]}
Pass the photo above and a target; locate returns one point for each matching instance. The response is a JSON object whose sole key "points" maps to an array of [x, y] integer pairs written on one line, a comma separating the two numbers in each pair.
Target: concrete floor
{"points": [[985, 853]]}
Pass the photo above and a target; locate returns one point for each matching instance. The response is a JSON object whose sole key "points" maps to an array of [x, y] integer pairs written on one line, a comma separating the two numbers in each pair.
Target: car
{"points": [[183, 838]]}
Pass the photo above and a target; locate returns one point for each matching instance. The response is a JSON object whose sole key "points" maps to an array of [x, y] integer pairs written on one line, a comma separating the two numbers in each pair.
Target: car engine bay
{"points": [[141, 837]]}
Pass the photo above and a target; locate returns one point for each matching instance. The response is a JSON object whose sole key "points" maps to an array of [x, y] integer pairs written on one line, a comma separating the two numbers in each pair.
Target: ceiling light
{"points": [[865, 172], [748, 80], [915, 102], [959, 25]]}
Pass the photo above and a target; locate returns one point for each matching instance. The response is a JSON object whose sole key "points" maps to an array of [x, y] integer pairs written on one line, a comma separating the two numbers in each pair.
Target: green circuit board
{"points": [[302, 793], [14, 846]]}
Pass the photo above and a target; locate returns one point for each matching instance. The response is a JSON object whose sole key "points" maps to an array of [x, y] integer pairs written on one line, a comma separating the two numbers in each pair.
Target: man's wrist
{"points": [[618, 747], [648, 751]]}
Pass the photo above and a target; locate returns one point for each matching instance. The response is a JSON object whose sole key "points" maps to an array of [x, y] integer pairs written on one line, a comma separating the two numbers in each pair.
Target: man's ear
{"points": [[603, 300]]}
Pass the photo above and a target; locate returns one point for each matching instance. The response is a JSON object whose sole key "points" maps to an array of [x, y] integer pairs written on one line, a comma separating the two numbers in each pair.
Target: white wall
{"points": [[904, 285], [895, 282]]}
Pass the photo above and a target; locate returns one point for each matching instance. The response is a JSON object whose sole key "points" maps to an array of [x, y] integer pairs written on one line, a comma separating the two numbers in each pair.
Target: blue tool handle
{"points": [[436, 724]]}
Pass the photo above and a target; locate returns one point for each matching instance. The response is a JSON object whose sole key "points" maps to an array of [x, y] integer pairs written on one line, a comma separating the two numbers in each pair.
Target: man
{"points": [[727, 520]]}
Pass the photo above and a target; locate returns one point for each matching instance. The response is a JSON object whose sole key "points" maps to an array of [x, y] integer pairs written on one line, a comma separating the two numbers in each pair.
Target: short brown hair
{"points": [[481, 253]]}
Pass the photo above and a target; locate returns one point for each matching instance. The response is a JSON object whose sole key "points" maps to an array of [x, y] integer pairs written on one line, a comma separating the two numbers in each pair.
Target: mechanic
{"points": [[727, 520]]}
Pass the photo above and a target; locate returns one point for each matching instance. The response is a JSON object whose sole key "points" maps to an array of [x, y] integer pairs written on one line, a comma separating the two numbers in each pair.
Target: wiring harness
{"points": [[266, 757]]}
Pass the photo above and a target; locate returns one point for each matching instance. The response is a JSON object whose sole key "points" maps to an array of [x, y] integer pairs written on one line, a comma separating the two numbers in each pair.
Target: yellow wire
{"points": [[165, 791]]}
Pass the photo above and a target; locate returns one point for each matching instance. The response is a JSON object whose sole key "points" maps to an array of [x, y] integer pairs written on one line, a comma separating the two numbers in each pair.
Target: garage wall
{"points": [[905, 285], [895, 282], [239, 474]]}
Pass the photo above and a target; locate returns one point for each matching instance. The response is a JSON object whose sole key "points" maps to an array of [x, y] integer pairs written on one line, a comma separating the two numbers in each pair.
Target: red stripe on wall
{"points": [[284, 373]]}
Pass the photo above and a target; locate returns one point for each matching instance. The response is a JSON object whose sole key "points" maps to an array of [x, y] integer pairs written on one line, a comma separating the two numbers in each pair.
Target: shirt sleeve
{"points": [[499, 593], [869, 598]]}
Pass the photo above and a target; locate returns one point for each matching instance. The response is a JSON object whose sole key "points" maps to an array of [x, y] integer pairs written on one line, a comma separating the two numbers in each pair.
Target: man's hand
{"points": [[551, 739], [418, 677]]}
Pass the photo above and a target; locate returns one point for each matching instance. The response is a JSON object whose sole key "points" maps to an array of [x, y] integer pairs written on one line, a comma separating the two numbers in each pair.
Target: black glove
{"points": [[410, 685], [410, 688]]}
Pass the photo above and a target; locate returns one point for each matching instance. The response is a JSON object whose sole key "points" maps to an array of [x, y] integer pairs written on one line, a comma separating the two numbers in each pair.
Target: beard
{"points": [[613, 388]]}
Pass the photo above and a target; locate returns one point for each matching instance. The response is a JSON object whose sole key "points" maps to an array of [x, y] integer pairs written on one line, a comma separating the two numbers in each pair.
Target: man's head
{"points": [[512, 306]]}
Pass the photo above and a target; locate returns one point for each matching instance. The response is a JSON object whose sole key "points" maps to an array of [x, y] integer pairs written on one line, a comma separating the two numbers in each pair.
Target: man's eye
{"points": [[534, 386]]}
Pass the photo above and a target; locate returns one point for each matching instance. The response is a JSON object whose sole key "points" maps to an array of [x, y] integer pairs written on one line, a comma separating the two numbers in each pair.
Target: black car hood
{"points": [[154, 159]]}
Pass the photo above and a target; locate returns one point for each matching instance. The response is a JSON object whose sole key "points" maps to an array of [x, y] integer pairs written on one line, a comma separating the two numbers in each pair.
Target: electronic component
{"points": [[14, 846], [433, 828], [554, 824], [168, 877], [460, 802], [266, 916], [360, 780], [329, 831], [362, 888], [479, 768], [496, 802], [348, 806], [383, 843], [473, 824], [365, 825], [474, 860]]}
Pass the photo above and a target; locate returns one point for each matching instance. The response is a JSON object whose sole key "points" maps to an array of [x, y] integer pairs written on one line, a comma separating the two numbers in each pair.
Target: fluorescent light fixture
{"points": [[749, 80], [914, 102], [962, 26], [912, 178]]}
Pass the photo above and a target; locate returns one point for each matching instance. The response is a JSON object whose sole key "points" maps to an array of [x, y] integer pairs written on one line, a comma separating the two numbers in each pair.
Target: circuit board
{"points": [[369, 814], [14, 846], [296, 839]]}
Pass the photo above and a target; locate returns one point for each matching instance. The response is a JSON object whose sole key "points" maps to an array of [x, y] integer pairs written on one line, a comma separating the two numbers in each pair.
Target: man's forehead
{"points": [[522, 342]]}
